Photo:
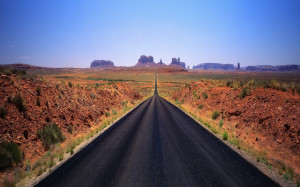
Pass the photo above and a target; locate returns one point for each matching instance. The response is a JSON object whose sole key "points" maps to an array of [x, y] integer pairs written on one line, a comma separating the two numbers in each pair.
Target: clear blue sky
{"points": [[73, 33]]}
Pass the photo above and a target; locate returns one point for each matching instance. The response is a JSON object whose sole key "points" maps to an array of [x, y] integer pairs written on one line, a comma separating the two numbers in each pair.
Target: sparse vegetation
{"points": [[215, 115], [107, 114], [225, 135], [221, 123], [50, 135], [70, 84], [200, 106], [244, 93], [114, 112], [205, 96], [261, 156], [229, 83], [10, 154], [20, 103]]}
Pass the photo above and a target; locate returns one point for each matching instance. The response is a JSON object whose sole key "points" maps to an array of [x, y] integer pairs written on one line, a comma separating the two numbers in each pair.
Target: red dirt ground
{"points": [[79, 106], [266, 119]]}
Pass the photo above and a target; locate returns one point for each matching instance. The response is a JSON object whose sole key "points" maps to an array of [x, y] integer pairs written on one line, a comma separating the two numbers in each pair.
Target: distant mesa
{"points": [[176, 62], [273, 68], [214, 66], [145, 61], [102, 64]]}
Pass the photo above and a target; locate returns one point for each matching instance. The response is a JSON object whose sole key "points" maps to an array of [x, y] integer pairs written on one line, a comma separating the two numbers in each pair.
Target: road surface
{"points": [[157, 145]]}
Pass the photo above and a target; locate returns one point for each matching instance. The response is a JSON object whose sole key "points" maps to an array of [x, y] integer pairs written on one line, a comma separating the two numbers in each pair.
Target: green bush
{"points": [[225, 136], [114, 112], [205, 96], [221, 122], [70, 84], [200, 106], [244, 93], [107, 114], [3, 112], [229, 83], [10, 154], [124, 103], [20, 102], [50, 134], [215, 115]]}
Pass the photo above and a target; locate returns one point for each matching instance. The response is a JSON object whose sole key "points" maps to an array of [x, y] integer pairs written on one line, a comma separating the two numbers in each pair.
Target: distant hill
{"points": [[214, 66], [292, 67], [102, 64]]}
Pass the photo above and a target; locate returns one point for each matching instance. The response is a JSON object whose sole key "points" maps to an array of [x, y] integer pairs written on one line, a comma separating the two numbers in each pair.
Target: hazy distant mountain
{"points": [[214, 66], [273, 68], [102, 64]]}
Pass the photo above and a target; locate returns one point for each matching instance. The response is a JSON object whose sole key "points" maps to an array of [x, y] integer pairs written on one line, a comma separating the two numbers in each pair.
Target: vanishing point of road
{"points": [[156, 144]]}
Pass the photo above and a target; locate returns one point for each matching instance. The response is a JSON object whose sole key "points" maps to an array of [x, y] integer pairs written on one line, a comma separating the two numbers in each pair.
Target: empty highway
{"points": [[157, 144]]}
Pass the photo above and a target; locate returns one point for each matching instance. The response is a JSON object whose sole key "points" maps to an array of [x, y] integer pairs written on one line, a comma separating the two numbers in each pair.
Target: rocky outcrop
{"points": [[176, 62], [102, 64], [145, 61], [214, 66]]}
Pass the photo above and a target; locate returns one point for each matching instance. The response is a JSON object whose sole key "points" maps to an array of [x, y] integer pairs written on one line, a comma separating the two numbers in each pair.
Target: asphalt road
{"points": [[157, 145]]}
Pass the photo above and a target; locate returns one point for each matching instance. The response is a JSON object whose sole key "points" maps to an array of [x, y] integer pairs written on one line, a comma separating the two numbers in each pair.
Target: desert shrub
{"points": [[289, 174], [3, 112], [70, 84], [20, 102], [244, 93], [229, 83], [188, 85], [215, 115], [18, 72], [38, 101], [205, 96], [10, 154], [262, 157], [200, 106], [283, 87], [293, 88], [71, 146], [221, 122], [38, 91], [107, 114], [50, 134], [114, 112], [275, 84], [225, 135], [124, 103]]}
